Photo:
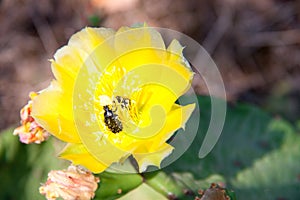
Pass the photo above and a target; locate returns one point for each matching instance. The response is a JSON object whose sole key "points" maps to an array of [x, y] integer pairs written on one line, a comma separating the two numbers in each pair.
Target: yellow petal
{"points": [[176, 119], [89, 38], [138, 46], [79, 52], [79, 155], [175, 50], [95, 46], [65, 67], [167, 83], [52, 109], [130, 39], [143, 54], [156, 147], [178, 61], [152, 158], [154, 95]]}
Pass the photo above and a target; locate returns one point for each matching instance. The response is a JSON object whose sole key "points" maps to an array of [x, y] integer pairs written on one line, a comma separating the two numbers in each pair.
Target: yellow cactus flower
{"points": [[114, 96]]}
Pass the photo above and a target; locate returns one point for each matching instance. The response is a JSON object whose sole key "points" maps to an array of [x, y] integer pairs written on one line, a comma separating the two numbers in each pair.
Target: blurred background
{"points": [[254, 43]]}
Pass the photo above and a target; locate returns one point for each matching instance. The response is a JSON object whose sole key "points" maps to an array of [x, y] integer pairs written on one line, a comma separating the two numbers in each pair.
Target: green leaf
{"points": [[113, 185], [277, 172], [188, 182], [23, 167], [8, 146], [163, 183], [144, 192]]}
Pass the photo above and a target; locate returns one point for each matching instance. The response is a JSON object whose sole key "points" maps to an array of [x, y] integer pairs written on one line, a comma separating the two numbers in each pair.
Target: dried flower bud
{"points": [[30, 131], [71, 184]]}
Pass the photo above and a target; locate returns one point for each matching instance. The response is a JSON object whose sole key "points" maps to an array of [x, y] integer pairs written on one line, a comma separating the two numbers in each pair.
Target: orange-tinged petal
{"points": [[30, 131], [73, 183]]}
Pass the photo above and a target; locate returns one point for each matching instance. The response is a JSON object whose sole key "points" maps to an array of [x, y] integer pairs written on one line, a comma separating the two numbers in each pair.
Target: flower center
{"points": [[122, 111]]}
